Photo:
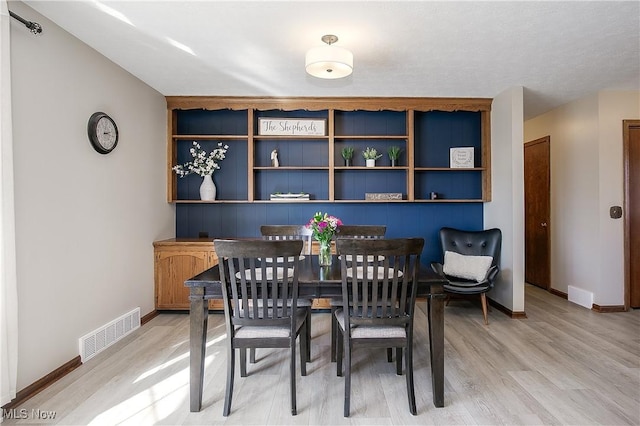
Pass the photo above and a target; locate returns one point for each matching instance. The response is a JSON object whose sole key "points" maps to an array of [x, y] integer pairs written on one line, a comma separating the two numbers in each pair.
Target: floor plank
{"points": [[563, 364]]}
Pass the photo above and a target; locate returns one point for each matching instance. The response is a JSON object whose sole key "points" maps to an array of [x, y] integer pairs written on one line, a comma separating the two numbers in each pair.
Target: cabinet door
{"points": [[173, 268]]}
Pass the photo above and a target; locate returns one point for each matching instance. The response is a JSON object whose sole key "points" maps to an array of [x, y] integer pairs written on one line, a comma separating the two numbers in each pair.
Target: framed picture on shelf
{"points": [[461, 158]]}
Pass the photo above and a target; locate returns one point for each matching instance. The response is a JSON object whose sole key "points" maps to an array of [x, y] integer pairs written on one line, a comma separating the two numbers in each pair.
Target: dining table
{"points": [[314, 281]]}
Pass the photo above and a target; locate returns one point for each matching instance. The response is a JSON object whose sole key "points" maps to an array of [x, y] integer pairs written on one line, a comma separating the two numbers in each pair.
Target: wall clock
{"points": [[103, 132]]}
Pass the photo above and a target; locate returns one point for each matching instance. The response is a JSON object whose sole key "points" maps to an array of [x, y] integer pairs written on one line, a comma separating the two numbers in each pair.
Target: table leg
{"points": [[198, 316], [435, 310]]}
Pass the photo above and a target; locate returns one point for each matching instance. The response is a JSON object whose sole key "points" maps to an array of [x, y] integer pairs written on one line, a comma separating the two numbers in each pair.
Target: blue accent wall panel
{"points": [[370, 123], [313, 182], [353, 185], [444, 130], [217, 122], [292, 152], [402, 219], [453, 185], [231, 179]]}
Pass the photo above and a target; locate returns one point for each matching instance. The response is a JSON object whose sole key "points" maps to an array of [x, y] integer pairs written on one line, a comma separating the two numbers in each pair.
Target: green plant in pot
{"points": [[394, 154], [347, 154], [371, 155]]}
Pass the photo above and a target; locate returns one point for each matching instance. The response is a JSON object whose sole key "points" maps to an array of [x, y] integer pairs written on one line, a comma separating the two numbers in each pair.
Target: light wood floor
{"points": [[564, 364]]}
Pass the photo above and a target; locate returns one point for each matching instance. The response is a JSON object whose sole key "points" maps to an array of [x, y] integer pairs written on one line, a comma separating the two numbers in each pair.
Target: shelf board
{"points": [[294, 137], [290, 201], [371, 201], [371, 168], [445, 200], [439, 200], [447, 169], [399, 137], [210, 202], [291, 168], [227, 137]]}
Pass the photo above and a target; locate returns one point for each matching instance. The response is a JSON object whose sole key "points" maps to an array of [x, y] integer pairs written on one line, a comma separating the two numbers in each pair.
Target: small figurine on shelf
{"points": [[274, 158]]}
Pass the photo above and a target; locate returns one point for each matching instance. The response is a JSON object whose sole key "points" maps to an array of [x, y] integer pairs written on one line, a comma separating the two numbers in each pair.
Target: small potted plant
{"points": [[371, 155], [347, 154], [394, 154]]}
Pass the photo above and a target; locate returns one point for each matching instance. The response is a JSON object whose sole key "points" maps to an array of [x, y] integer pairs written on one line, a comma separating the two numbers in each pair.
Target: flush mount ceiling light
{"points": [[329, 62]]}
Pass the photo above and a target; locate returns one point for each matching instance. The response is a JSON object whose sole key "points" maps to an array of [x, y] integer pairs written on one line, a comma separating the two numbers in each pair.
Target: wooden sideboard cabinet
{"points": [[176, 260]]}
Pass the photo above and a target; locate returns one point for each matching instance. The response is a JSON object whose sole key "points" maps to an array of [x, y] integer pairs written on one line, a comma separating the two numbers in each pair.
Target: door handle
{"points": [[543, 224]]}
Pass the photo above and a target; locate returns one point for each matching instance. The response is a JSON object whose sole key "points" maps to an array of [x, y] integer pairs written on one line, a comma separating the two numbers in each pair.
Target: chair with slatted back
{"points": [[378, 303], [260, 304], [351, 231], [288, 232], [361, 231], [291, 232]]}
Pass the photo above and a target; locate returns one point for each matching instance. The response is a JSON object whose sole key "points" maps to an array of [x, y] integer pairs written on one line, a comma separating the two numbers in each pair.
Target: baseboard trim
{"points": [[558, 293], [594, 307], [507, 311], [44, 382], [608, 309], [151, 315], [39, 385]]}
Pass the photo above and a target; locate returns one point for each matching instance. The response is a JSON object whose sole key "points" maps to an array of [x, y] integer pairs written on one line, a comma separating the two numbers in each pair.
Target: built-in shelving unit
{"points": [[424, 128]]}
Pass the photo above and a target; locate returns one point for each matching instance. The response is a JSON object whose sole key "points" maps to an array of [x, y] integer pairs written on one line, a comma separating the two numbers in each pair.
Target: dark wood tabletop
{"points": [[318, 282]]}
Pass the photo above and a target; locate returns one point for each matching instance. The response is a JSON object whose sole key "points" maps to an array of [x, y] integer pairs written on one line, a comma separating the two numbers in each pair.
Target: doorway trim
{"points": [[626, 127]]}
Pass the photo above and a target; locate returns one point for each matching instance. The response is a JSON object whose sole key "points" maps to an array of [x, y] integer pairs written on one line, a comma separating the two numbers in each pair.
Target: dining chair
{"points": [[291, 232], [350, 231], [261, 304], [361, 231], [378, 303], [471, 262]]}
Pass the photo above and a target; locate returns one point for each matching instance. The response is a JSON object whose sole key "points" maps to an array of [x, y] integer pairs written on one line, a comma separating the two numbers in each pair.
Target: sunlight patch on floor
{"points": [[151, 405], [173, 361]]}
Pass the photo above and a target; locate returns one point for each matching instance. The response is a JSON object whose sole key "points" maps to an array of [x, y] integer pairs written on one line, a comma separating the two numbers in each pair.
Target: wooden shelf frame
{"points": [[331, 105]]}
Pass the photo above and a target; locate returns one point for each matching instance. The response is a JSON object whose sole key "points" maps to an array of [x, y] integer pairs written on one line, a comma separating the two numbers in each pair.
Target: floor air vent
{"points": [[105, 336]]}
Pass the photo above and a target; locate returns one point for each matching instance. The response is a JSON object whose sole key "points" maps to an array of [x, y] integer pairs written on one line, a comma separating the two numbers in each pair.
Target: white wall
{"points": [[85, 222], [506, 209], [613, 107], [586, 179]]}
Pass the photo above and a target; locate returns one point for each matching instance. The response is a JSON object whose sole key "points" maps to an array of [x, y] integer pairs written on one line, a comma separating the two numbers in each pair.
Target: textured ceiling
{"points": [[558, 51]]}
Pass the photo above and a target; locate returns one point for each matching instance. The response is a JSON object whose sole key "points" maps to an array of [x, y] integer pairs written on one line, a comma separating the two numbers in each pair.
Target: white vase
{"points": [[207, 189], [371, 162]]}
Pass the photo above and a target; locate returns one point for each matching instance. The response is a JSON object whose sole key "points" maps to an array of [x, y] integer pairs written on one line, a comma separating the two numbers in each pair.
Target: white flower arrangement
{"points": [[203, 164]]}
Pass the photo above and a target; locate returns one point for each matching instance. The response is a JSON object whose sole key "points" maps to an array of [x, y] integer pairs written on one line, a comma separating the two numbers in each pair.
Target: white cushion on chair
{"points": [[372, 331], [253, 332], [467, 267], [249, 332]]}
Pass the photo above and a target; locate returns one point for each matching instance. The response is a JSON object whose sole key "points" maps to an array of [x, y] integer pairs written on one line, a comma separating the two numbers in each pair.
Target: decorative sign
{"points": [[461, 158], [383, 196], [291, 126]]}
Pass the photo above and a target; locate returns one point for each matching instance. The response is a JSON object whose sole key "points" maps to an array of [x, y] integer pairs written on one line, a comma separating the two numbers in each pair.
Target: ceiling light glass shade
{"points": [[329, 62]]}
